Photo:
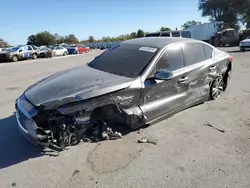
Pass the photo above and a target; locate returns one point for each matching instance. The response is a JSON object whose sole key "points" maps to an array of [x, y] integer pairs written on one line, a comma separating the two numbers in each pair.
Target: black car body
{"points": [[134, 83]]}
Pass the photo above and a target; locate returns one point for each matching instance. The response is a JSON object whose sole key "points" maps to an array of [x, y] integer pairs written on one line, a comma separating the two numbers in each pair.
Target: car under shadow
{"points": [[14, 148]]}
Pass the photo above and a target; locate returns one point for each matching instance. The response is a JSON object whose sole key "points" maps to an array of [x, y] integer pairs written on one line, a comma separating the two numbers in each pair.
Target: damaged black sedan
{"points": [[132, 84]]}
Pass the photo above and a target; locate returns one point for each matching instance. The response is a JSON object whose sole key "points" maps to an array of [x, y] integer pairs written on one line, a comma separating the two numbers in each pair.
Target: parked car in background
{"points": [[59, 51], [91, 45], [15, 53], [77, 49], [245, 44], [32, 49], [46, 53]]}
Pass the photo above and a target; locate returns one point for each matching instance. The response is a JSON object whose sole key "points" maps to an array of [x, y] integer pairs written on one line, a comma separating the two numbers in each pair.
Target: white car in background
{"points": [[245, 44], [59, 51]]}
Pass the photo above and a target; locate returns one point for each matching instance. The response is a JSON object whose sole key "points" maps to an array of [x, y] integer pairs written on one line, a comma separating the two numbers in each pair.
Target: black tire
{"points": [[216, 88], [34, 56], [64, 54], [14, 58]]}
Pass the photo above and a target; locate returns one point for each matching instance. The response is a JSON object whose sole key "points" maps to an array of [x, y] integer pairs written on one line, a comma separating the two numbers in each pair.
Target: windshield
{"points": [[124, 59], [12, 49]]}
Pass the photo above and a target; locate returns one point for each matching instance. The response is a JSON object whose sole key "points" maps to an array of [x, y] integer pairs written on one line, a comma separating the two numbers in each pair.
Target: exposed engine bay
{"points": [[57, 131]]}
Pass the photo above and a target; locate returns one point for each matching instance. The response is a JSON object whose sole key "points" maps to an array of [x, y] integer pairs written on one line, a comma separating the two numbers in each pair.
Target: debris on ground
{"points": [[75, 172], [209, 125], [110, 135], [147, 140], [13, 184]]}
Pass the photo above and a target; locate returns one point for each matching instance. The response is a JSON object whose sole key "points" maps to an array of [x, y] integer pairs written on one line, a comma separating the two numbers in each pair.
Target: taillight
{"points": [[230, 59]]}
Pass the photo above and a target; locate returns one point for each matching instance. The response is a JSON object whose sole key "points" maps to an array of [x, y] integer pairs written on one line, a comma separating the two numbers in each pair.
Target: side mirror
{"points": [[163, 74]]}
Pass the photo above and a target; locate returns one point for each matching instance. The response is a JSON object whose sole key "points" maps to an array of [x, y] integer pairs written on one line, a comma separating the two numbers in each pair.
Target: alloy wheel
{"points": [[217, 88]]}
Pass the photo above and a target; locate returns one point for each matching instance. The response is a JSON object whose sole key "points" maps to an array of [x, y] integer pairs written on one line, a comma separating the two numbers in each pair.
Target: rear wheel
{"points": [[34, 56], [14, 58], [216, 88], [64, 54]]}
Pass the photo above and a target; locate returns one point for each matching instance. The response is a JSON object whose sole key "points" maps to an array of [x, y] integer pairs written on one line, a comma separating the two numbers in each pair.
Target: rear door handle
{"points": [[212, 68], [183, 79]]}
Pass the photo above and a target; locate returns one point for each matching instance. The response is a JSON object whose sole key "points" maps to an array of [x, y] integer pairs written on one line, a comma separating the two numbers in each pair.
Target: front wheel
{"points": [[216, 88], [64, 54], [34, 56]]}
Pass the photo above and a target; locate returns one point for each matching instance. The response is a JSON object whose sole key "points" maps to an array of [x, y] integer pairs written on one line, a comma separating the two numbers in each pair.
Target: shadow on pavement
{"points": [[236, 51], [14, 148]]}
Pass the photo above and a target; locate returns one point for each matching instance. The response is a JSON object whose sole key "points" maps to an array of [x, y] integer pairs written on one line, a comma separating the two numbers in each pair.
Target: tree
{"points": [[3, 44], [242, 8], [140, 33], [57, 38], [32, 39], [91, 39], [71, 39], [189, 24], [133, 35], [219, 10], [165, 29], [42, 38]]}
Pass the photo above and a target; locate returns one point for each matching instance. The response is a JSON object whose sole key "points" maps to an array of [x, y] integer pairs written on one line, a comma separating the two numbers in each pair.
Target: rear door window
{"points": [[194, 53], [208, 51], [172, 59], [176, 34]]}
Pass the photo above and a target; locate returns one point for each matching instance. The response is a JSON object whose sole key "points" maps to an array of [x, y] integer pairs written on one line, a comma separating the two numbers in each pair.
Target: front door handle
{"points": [[183, 79], [212, 68]]}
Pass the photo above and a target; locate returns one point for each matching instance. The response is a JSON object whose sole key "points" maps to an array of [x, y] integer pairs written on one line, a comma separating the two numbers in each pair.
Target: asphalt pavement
{"points": [[204, 146]]}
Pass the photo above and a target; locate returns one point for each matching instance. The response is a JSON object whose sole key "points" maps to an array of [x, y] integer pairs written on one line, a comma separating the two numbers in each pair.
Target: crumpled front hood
{"points": [[74, 84]]}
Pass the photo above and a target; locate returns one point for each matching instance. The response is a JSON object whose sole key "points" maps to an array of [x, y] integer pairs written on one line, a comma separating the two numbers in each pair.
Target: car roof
{"points": [[158, 42]]}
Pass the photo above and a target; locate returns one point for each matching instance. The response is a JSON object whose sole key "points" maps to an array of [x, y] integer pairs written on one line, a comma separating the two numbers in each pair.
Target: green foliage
{"points": [[140, 33], [189, 24], [46, 38], [91, 39], [165, 29], [219, 10], [226, 10], [3, 44]]}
